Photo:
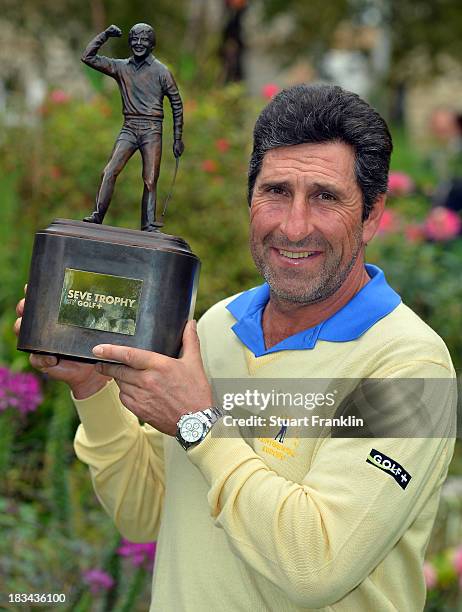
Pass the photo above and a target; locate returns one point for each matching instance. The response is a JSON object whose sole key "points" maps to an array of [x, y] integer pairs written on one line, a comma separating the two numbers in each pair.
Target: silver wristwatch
{"points": [[194, 426]]}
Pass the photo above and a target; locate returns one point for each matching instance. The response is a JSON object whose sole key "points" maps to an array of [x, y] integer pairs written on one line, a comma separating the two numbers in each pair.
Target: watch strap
{"points": [[209, 416]]}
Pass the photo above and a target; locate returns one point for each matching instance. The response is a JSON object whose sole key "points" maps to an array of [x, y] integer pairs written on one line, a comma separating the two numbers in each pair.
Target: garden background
{"points": [[54, 537]]}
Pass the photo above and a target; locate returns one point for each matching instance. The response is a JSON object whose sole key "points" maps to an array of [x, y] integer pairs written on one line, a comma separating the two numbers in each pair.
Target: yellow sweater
{"points": [[258, 525]]}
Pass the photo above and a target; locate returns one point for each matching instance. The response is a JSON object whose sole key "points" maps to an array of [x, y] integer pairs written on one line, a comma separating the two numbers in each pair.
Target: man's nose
{"points": [[297, 223]]}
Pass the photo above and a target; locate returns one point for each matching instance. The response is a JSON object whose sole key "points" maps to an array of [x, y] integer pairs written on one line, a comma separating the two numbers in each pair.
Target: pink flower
{"points": [[19, 390], [209, 165], [414, 232], [430, 575], [98, 580], [269, 90], [442, 224], [389, 222], [399, 183], [457, 561], [138, 553], [59, 96], [222, 145]]}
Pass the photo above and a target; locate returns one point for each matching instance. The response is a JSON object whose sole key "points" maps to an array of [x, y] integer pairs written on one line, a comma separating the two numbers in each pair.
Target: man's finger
{"points": [[42, 362], [120, 373], [133, 357], [17, 326], [20, 307], [25, 289]]}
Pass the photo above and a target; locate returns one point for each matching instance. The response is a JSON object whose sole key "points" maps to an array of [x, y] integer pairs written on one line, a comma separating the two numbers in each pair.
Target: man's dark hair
{"points": [[142, 26], [326, 113]]}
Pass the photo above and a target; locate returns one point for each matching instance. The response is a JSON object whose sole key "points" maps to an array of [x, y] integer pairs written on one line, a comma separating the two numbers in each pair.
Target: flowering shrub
{"points": [[421, 258], [442, 224], [139, 554], [98, 580], [389, 222], [19, 390], [399, 183]]}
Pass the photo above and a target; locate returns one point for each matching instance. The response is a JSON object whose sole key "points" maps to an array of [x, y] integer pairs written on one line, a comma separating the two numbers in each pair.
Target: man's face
{"points": [[306, 232], [443, 124], [141, 43]]}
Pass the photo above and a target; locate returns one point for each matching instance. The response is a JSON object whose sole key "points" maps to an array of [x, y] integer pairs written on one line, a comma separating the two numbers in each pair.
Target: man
{"points": [[445, 160], [143, 82], [277, 522]]}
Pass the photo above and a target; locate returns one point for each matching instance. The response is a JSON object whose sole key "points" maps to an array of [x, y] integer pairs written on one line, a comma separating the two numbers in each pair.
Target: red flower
{"points": [[209, 165], [442, 224], [388, 222], [59, 96], [222, 145], [269, 90], [399, 183]]}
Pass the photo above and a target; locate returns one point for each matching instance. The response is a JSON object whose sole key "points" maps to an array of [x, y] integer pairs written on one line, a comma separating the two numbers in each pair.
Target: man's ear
{"points": [[371, 224]]}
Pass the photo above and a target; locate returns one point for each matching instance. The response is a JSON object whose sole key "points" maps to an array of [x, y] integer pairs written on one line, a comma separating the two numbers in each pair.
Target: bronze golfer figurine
{"points": [[143, 82]]}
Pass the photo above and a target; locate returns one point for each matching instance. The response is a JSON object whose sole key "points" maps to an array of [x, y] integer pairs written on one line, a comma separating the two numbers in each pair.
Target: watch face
{"points": [[192, 429]]}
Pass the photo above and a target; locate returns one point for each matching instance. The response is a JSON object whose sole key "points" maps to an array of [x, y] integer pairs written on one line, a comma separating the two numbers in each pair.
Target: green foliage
{"points": [[7, 429], [57, 454], [139, 578], [427, 276]]}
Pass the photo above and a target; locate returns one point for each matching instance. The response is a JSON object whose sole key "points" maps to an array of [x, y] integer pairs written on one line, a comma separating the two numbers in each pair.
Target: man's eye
{"points": [[325, 195], [276, 190]]}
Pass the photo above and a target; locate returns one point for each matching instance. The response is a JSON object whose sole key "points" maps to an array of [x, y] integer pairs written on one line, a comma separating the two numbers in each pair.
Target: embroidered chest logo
{"points": [[390, 466], [281, 434], [282, 445]]}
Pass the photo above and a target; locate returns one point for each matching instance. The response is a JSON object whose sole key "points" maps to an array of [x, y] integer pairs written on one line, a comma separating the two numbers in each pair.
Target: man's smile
{"points": [[297, 254], [293, 258]]}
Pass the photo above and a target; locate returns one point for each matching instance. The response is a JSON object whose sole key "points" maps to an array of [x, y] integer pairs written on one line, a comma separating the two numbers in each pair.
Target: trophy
{"points": [[91, 283]]}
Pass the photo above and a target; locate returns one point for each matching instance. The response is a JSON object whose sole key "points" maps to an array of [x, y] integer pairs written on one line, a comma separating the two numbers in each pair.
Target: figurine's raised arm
{"points": [[100, 62]]}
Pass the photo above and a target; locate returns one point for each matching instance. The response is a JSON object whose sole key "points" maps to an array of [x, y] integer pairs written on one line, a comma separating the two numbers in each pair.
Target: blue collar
{"points": [[373, 302]]}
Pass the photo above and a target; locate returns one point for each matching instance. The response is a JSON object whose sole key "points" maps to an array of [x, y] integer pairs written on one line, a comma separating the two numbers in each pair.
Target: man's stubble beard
{"points": [[327, 281]]}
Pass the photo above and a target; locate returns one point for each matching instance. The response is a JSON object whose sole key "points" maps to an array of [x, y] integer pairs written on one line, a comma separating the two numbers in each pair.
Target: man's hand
{"points": [[82, 378], [178, 148], [114, 31], [156, 388]]}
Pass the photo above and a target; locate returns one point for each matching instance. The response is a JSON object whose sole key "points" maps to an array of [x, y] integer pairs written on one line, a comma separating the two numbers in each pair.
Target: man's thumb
{"points": [[191, 344]]}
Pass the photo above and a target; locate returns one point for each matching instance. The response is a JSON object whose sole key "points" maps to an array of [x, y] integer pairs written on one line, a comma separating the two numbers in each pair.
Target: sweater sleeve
{"points": [[170, 89], [319, 538], [126, 463], [99, 62]]}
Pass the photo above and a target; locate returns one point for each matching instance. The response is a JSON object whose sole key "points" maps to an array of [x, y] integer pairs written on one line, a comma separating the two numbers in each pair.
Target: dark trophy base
{"points": [[95, 284]]}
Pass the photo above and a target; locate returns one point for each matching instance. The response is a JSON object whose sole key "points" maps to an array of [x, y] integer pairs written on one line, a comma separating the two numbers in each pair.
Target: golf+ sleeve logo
{"points": [[392, 467]]}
